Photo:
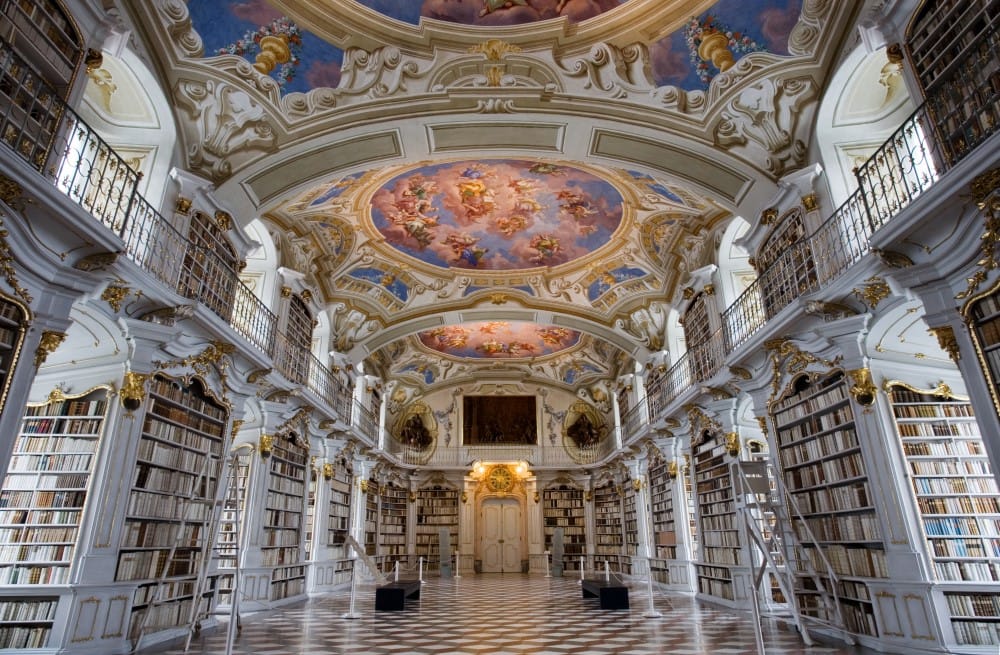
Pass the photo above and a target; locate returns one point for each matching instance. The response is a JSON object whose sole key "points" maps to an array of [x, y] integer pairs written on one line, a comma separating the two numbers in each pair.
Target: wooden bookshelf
{"points": [[281, 545], [178, 464], [437, 508], [662, 506], [41, 507], [231, 522], [953, 47], [392, 520], [339, 520], [371, 518], [824, 470], [562, 507], [12, 328], [608, 539], [717, 528], [956, 494], [631, 521]]}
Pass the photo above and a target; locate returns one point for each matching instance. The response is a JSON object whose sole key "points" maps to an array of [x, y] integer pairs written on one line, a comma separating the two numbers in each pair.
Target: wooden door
{"points": [[501, 535]]}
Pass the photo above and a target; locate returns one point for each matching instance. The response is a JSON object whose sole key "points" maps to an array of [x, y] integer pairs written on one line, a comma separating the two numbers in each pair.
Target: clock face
{"points": [[500, 479]]}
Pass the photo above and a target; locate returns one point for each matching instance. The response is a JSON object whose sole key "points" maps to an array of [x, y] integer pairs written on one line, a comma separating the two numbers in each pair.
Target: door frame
{"points": [[483, 500]]}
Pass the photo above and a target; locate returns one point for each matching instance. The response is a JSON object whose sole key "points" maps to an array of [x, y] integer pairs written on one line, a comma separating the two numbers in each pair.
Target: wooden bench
{"points": [[390, 597], [613, 594]]}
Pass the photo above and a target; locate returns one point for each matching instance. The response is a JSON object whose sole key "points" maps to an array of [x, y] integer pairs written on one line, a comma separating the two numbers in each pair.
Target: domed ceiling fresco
{"points": [[496, 214], [499, 339], [511, 191]]}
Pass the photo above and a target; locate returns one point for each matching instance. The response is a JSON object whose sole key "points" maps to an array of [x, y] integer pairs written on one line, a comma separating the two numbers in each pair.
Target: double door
{"points": [[500, 532]]}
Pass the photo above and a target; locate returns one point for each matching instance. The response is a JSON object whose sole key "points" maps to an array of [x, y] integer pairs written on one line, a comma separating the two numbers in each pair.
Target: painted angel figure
{"points": [[489, 6]]}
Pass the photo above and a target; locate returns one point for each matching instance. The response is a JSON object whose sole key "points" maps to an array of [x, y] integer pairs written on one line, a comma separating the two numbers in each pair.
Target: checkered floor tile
{"points": [[502, 615]]}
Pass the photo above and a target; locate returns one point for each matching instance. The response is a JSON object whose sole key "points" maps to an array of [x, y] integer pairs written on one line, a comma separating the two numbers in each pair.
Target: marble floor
{"points": [[493, 614]]}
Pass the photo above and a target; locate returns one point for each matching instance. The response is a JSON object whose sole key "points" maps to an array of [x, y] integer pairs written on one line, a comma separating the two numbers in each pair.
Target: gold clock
{"points": [[500, 479]]}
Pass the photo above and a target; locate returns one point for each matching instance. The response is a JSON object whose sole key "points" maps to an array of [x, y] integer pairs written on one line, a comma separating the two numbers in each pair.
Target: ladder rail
{"points": [[194, 499]]}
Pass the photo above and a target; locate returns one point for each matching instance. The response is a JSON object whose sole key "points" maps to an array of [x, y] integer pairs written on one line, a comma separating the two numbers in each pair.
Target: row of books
{"points": [[160, 617], [813, 399], [843, 527], [34, 574], [959, 505], [856, 561], [183, 418], [151, 564], [149, 505], [720, 538], [959, 526], [721, 555], [49, 481], [285, 452], [280, 556], [20, 637], [276, 518], [187, 397], [168, 589], [973, 604], [963, 467], [60, 427], [149, 534], [42, 499], [849, 466], [195, 439], [850, 497], [36, 553], [34, 463], [859, 618], [950, 448], [167, 481], [284, 501], [967, 571], [76, 407], [826, 445], [51, 535], [11, 517], [814, 424], [964, 547], [28, 610], [274, 537], [976, 633], [714, 587], [56, 444], [168, 455]]}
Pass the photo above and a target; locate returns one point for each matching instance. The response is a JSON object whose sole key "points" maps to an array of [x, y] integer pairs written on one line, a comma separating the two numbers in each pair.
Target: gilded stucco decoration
{"points": [[133, 389], [7, 267], [862, 388], [49, 342], [946, 339], [584, 428], [874, 291], [788, 359], [984, 192]]}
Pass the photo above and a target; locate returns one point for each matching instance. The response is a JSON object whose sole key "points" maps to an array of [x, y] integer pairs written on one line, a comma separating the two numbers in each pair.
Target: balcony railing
{"points": [[961, 114], [48, 135]]}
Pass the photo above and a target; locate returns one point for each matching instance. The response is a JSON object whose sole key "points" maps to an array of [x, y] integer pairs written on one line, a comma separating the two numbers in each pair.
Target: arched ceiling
{"points": [[495, 189]]}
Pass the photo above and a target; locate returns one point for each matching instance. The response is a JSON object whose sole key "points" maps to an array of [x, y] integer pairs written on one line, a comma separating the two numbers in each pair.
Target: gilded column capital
{"points": [[50, 341]]}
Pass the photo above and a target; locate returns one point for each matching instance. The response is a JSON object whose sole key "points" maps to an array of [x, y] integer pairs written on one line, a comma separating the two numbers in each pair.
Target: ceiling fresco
{"points": [[499, 339], [499, 214], [688, 58], [491, 12]]}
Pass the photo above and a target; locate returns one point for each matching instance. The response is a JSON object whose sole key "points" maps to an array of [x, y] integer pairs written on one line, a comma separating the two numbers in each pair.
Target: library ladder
{"points": [[196, 522], [780, 535]]}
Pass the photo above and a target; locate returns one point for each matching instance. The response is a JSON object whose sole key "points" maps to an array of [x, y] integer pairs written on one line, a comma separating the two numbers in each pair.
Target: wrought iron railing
{"points": [[40, 129], [364, 420], [960, 114], [636, 417]]}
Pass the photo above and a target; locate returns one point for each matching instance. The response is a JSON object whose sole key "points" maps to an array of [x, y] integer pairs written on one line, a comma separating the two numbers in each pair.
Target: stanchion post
{"points": [[583, 565], [351, 613], [548, 567], [607, 572], [457, 575], [396, 572], [421, 570], [651, 613]]}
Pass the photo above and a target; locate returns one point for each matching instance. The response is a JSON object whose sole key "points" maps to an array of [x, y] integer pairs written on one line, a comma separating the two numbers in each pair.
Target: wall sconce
{"points": [[465, 497], [521, 469], [133, 390], [478, 469], [538, 497], [265, 444], [864, 388]]}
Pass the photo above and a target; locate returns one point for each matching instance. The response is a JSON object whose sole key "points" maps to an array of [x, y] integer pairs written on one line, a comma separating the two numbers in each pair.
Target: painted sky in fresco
{"points": [[236, 27], [751, 25], [499, 214], [491, 12], [499, 339]]}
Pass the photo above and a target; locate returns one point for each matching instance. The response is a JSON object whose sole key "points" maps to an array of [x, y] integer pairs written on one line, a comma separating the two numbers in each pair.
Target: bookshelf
{"points": [[41, 506], [823, 468], [281, 545], [311, 499], [339, 520], [717, 527], [985, 314], [562, 507], [392, 520], [952, 45], [371, 518], [231, 522], [12, 327], [608, 520], [956, 496], [631, 521], [662, 506], [178, 464], [437, 508]]}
